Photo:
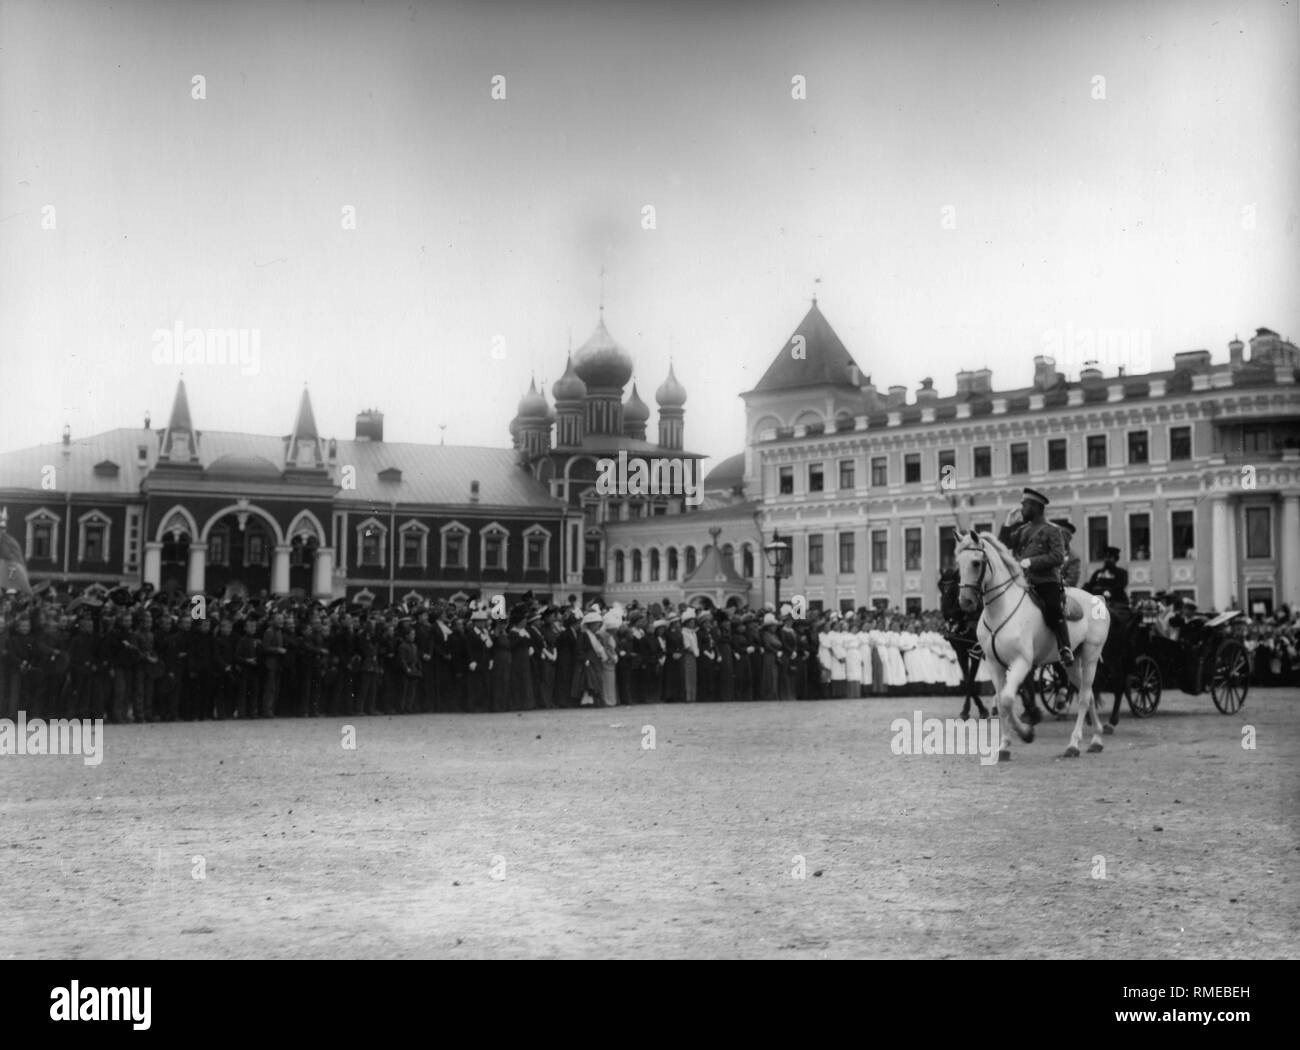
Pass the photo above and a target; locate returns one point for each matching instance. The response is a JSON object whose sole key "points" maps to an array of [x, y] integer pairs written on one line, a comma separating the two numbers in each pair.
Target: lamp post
{"points": [[778, 556]]}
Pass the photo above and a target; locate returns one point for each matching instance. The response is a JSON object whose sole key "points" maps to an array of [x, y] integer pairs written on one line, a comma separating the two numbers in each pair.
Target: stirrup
{"points": [[975, 652], [1066, 654]]}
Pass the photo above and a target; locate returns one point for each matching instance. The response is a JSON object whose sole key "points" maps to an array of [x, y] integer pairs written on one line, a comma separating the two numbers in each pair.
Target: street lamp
{"points": [[778, 556]]}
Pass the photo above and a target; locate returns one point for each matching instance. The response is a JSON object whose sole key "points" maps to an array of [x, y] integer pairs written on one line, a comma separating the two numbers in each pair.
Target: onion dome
{"points": [[601, 362], [551, 417], [569, 387], [533, 405], [635, 410], [671, 394]]}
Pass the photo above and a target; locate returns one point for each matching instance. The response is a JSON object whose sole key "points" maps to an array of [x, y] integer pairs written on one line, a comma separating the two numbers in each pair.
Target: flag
{"points": [[13, 566]]}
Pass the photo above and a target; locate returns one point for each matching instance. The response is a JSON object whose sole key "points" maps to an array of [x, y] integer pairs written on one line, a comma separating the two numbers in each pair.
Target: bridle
{"points": [[996, 591]]}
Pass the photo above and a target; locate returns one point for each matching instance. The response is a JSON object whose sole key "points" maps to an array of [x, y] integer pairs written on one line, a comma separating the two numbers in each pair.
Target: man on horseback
{"points": [[1041, 551]]}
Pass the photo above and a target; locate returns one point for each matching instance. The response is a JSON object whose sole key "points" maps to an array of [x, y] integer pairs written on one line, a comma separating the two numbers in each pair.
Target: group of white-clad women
{"points": [[857, 661]]}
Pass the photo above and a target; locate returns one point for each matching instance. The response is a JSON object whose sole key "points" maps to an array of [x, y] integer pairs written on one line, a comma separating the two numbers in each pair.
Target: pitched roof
{"points": [[305, 425], [824, 360], [21, 468], [180, 418]]}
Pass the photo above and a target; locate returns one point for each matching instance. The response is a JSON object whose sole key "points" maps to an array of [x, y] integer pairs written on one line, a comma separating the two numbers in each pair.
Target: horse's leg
{"points": [[972, 687], [1086, 669], [1007, 694], [963, 661], [1004, 710]]}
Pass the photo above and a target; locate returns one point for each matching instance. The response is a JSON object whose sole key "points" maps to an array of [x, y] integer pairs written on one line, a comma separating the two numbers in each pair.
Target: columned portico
{"points": [[280, 569], [322, 573], [153, 563], [1291, 551], [196, 576]]}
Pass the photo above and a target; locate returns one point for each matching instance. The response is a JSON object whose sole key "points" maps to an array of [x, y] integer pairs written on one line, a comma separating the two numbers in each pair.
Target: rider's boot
{"points": [[1063, 643]]}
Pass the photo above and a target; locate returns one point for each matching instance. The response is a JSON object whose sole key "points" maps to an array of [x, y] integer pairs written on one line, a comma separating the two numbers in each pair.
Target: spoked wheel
{"points": [[1053, 688], [1230, 676], [1144, 687]]}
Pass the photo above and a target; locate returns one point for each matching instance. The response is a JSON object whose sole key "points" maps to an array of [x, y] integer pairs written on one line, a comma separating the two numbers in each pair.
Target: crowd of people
{"points": [[139, 656]]}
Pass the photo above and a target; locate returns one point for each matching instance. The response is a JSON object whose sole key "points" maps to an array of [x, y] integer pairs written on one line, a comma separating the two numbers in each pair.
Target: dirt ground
{"points": [[557, 834]]}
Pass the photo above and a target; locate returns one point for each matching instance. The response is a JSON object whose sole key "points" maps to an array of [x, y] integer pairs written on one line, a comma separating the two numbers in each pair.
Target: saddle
{"points": [[1070, 607]]}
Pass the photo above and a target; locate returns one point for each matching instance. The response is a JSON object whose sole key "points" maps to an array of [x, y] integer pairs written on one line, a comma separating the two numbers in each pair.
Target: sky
{"points": [[971, 184]]}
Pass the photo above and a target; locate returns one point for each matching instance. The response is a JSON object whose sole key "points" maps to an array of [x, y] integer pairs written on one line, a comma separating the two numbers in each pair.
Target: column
{"points": [[280, 569], [1220, 553], [322, 573], [196, 581], [1291, 551], [153, 563]]}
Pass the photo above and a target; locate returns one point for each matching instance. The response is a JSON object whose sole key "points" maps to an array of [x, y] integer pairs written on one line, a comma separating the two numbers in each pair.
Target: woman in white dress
{"points": [[852, 664], [839, 670]]}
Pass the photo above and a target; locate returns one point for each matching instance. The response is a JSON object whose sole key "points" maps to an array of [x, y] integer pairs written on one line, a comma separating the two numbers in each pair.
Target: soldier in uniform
{"points": [[1070, 570], [1110, 580], [1039, 546]]}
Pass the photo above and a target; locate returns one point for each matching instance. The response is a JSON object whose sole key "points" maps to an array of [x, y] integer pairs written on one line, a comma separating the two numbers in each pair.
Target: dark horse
{"points": [[961, 635]]}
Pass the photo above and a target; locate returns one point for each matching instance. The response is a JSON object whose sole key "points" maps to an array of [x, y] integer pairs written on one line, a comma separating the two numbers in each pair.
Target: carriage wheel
{"points": [[1231, 676], [1144, 687], [1053, 688]]}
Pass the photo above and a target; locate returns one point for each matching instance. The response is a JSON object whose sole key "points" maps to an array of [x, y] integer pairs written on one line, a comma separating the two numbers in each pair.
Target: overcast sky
{"points": [[957, 176]]}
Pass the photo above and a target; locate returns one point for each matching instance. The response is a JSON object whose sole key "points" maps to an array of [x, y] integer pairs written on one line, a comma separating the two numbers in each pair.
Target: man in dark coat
{"points": [[1039, 547], [565, 640], [1110, 580]]}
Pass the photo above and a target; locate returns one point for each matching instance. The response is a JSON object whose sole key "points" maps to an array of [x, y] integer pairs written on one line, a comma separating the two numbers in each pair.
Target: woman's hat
{"points": [[592, 617]]}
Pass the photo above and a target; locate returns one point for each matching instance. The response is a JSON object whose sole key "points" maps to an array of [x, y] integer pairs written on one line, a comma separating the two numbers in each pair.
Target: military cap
{"points": [[1035, 496]]}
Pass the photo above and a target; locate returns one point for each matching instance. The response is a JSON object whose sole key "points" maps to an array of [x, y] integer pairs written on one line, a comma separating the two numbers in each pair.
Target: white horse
{"points": [[1015, 637]]}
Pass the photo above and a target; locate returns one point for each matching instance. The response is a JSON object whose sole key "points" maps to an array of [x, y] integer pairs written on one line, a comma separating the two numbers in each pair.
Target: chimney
{"points": [[67, 435], [473, 491], [855, 377], [963, 383], [1197, 360], [147, 419], [926, 393], [897, 396], [370, 425], [981, 381], [1235, 349], [1044, 372], [1090, 372]]}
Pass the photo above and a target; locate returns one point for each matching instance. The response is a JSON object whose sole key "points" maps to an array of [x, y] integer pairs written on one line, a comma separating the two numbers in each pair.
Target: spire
{"points": [[180, 419], [602, 292], [305, 425], [816, 282]]}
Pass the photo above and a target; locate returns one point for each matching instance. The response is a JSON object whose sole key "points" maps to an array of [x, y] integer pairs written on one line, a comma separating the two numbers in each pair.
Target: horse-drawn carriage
{"points": [[1204, 656]]}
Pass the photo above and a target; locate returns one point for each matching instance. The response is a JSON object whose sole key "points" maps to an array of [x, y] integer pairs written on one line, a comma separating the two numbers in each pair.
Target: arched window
{"points": [[620, 567], [654, 565], [690, 560], [729, 555], [672, 563], [636, 566], [747, 561]]}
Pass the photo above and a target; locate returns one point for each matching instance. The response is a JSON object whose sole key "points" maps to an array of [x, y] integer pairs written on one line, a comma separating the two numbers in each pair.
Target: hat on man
{"points": [[657, 624], [1112, 553], [1066, 524], [688, 615], [769, 620], [592, 618], [1034, 496]]}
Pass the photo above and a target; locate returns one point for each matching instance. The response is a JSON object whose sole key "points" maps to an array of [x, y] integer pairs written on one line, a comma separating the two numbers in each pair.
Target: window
{"points": [[948, 466], [134, 524], [816, 479], [1096, 450], [747, 561], [690, 560], [219, 547], [1180, 442], [1056, 459], [620, 567], [636, 566], [947, 547], [371, 536], [879, 471], [654, 565], [1255, 437], [1020, 458], [535, 544], [494, 548], [786, 479], [846, 606], [455, 546], [880, 604], [93, 545], [911, 549], [912, 606], [42, 535], [911, 468], [985, 526], [302, 550], [255, 547], [847, 470], [591, 552], [1259, 600], [815, 554], [729, 555], [846, 552], [983, 461], [879, 550], [1139, 537], [414, 544], [1182, 534], [1098, 538], [1259, 532], [672, 563], [1137, 446]]}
